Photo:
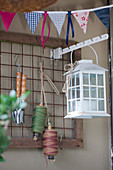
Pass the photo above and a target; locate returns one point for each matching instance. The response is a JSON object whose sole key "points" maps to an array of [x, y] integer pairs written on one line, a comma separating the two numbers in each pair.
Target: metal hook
{"points": [[16, 58]]}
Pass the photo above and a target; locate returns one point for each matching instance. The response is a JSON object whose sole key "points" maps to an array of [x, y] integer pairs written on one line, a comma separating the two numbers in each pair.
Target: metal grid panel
{"points": [[29, 57]]}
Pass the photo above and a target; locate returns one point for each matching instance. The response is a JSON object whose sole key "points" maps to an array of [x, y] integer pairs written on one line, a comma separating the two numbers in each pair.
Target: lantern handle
{"points": [[95, 53], [71, 58]]}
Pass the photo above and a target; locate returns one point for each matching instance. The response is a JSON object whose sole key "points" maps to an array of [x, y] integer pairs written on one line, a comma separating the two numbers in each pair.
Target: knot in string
{"points": [[68, 67]]}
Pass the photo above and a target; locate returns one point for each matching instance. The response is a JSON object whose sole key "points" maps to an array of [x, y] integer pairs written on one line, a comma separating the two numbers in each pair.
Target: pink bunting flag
{"points": [[7, 18], [82, 19]]}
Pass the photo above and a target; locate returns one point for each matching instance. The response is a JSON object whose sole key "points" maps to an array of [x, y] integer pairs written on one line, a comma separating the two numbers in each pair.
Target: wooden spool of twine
{"points": [[40, 112], [50, 144], [24, 5], [38, 121]]}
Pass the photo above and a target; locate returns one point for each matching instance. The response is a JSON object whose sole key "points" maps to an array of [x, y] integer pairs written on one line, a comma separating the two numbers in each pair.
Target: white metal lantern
{"points": [[86, 91]]}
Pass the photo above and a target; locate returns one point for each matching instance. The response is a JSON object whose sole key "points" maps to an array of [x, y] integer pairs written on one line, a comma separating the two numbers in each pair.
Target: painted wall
{"points": [[96, 133]]}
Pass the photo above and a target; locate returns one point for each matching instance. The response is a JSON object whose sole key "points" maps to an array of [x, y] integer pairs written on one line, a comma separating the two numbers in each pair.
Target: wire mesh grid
{"points": [[29, 56]]}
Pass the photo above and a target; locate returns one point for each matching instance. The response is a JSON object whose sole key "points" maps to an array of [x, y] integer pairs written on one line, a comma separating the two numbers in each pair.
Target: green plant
{"points": [[8, 104]]}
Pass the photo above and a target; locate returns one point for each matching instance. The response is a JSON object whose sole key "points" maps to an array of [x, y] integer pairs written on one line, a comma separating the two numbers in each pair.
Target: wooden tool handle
{"points": [[18, 84], [23, 86]]}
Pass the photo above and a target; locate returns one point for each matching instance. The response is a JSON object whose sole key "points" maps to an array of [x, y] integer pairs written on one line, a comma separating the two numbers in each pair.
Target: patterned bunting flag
{"points": [[82, 19], [33, 19], [7, 18], [58, 20], [103, 15]]}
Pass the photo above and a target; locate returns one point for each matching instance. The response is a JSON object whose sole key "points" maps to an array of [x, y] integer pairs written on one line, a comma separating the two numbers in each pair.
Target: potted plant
{"points": [[8, 104]]}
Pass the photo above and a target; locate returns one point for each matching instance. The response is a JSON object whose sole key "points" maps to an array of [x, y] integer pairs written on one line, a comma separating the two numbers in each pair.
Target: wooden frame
{"points": [[77, 141]]}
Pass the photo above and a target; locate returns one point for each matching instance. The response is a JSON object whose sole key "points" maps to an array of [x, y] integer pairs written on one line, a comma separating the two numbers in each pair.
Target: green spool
{"points": [[38, 121]]}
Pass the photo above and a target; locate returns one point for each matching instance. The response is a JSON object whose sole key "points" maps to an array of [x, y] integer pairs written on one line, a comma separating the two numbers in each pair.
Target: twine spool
{"points": [[23, 86], [18, 84], [38, 121], [50, 144]]}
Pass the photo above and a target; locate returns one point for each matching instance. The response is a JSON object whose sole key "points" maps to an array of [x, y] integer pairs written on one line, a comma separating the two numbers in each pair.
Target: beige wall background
{"points": [[95, 155]]}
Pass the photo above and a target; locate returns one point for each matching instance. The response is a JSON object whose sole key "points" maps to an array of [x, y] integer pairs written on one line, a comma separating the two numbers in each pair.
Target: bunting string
{"points": [[58, 18], [80, 10]]}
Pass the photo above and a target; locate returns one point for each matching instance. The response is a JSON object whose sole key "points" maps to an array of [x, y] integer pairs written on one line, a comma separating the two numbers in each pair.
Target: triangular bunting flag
{"points": [[103, 15], [58, 20], [33, 19], [7, 18], [82, 19]]}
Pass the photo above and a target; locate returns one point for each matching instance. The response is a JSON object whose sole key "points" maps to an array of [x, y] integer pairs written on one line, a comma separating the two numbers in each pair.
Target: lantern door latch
{"points": [[58, 52]]}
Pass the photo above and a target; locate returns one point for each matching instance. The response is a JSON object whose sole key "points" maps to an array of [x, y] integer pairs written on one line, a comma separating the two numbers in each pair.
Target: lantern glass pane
{"points": [[73, 93], [69, 81], [85, 78], [85, 105], [93, 105], [92, 79], [78, 92], [101, 105], [77, 79], [78, 105], [69, 94], [100, 79], [85, 91], [73, 80], [93, 92], [100, 92], [73, 105]]}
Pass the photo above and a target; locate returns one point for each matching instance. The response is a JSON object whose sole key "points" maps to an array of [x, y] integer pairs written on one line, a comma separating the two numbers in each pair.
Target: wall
{"points": [[95, 154]]}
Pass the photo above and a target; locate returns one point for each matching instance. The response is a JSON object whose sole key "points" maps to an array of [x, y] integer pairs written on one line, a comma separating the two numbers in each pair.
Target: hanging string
{"points": [[51, 84], [42, 74], [69, 67], [68, 25], [43, 26], [42, 86]]}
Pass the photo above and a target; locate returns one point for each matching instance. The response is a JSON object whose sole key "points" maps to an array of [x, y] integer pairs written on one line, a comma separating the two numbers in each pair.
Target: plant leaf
{"points": [[12, 93], [22, 105], [24, 96], [2, 159]]}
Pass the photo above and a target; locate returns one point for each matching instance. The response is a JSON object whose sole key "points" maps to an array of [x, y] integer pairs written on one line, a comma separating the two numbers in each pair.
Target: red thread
{"points": [[50, 143]]}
